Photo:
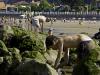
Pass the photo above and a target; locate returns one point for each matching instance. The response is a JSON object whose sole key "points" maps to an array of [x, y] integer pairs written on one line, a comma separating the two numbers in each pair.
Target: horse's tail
{"points": [[84, 49]]}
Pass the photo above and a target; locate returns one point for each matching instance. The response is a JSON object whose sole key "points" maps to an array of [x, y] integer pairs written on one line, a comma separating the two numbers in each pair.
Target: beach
{"points": [[73, 27]]}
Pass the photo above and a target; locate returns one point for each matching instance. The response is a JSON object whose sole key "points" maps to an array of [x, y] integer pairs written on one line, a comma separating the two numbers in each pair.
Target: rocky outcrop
{"points": [[88, 65], [34, 68]]}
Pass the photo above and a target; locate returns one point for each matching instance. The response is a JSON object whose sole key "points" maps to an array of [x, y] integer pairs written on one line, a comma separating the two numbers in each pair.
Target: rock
{"points": [[88, 66], [34, 68], [16, 57], [6, 33], [27, 41], [5, 30], [3, 49], [1, 60], [46, 57], [8, 29], [36, 55], [51, 56]]}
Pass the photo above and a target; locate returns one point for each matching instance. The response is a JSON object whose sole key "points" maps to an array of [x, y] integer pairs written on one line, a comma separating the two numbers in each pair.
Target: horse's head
{"points": [[50, 41]]}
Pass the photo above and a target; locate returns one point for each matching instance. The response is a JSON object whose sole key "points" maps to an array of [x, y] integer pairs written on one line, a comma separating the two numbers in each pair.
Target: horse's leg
{"points": [[65, 58], [42, 26]]}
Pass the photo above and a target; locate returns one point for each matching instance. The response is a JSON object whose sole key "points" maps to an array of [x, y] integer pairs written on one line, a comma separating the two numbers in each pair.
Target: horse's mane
{"points": [[50, 39]]}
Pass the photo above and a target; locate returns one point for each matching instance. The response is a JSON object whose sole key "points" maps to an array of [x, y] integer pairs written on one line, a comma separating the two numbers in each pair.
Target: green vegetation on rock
{"points": [[34, 68], [16, 57], [88, 65], [36, 55], [26, 40], [3, 48]]}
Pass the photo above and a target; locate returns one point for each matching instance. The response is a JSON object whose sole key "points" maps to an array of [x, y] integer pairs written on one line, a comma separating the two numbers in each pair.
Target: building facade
{"points": [[2, 4]]}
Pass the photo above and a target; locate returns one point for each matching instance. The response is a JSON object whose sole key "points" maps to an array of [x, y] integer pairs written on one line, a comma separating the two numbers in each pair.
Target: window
{"points": [[11, 9]]}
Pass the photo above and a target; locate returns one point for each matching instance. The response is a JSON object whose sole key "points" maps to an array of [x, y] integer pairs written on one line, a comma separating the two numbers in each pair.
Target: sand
{"points": [[73, 27]]}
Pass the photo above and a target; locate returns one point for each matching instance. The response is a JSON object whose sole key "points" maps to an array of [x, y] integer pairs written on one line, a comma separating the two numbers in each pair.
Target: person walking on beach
{"points": [[80, 22]]}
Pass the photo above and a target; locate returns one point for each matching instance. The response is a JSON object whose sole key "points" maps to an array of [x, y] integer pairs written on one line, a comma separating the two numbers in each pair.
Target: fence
{"points": [[67, 15], [59, 15]]}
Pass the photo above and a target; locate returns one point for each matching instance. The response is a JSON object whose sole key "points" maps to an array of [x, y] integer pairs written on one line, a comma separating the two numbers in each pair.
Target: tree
{"points": [[93, 4], [23, 8], [34, 7], [44, 5], [73, 3]]}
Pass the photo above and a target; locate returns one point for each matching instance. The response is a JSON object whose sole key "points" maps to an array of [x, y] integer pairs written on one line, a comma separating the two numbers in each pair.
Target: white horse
{"points": [[39, 21], [81, 41]]}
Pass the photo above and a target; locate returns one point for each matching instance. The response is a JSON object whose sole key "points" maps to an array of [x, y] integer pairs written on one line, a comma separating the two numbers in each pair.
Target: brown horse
{"points": [[63, 43]]}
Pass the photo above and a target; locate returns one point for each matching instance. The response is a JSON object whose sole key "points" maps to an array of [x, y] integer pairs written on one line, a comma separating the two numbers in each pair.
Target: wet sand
{"points": [[73, 27]]}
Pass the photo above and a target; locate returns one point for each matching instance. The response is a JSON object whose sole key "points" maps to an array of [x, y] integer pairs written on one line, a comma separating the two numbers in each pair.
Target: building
{"points": [[2, 4], [98, 4]]}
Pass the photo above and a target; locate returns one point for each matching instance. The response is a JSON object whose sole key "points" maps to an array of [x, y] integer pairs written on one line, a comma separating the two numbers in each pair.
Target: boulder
{"points": [[27, 41], [88, 65], [1, 60], [3, 49], [33, 67], [5, 30], [15, 53], [36, 55], [51, 56], [6, 33]]}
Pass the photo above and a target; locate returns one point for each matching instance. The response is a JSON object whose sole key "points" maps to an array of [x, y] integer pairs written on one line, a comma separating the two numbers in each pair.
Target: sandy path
{"points": [[90, 27]]}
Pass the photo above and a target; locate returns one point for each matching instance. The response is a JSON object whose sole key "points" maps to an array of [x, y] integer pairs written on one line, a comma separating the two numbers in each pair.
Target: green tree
{"points": [[93, 4], [73, 3], [44, 5], [34, 7], [23, 8]]}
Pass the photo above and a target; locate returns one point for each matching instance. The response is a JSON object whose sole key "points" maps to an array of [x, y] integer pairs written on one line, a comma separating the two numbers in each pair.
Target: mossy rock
{"points": [[8, 60], [1, 60], [27, 40], [3, 49], [18, 31], [6, 33], [51, 56], [36, 55], [5, 30], [46, 57], [88, 65], [34, 68], [15, 53], [8, 29]]}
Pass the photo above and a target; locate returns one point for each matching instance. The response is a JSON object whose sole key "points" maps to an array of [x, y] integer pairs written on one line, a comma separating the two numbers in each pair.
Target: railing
{"points": [[55, 13], [86, 15], [67, 13]]}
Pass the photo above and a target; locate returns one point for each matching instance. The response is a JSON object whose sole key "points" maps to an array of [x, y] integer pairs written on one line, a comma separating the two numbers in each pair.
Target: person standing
{"points": [[50, 32]]}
